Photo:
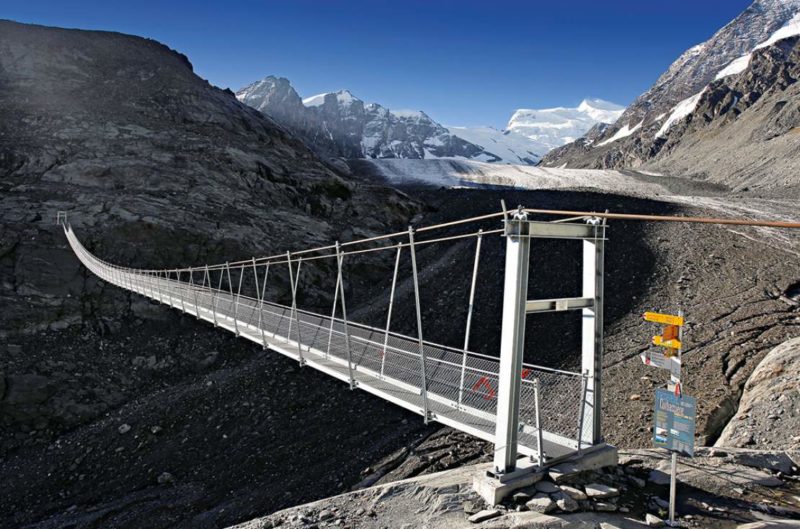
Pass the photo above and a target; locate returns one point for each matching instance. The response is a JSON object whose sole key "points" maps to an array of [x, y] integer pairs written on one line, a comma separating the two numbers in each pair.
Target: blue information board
{"points": [[674, 422]]}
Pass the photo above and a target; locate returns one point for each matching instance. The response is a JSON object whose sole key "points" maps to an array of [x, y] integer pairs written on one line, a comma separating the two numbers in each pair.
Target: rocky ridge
{"points": [[338, 124], [155, 168], [341, 125], [119, 132], [660, 129]]}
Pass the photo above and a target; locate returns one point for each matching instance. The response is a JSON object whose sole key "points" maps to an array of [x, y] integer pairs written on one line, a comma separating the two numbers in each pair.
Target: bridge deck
{"points": [[386, 365]]}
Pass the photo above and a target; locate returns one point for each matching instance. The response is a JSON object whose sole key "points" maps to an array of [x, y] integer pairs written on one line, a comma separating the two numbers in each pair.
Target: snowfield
{"points": [[549, 128], [510, 147], [455, 172], [624, 132]]}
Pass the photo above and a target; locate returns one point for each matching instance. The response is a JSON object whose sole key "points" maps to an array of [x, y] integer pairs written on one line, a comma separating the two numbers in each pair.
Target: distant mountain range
{"points": [[725, 111], [339, 124]]}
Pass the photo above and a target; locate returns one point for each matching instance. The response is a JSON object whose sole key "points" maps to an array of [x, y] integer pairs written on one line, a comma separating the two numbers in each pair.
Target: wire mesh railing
{"points": [[454, 386]]}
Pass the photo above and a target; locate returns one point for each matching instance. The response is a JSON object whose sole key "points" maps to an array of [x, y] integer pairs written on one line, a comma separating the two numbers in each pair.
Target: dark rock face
{"points": [[772, 71], [698, 66], [154, 166], [742, 133], [341, 125], [723, 102]]}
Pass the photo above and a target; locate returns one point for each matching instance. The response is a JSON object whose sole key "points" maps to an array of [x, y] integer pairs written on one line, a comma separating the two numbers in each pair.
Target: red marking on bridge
{"points": [[484, 382]]}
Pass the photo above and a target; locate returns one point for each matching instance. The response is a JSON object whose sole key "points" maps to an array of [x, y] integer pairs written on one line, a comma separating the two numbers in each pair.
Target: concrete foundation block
{"points": [[492, 490]]}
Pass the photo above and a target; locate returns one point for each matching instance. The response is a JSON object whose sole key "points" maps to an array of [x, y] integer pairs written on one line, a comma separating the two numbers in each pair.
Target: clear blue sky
{"points": [[463, 62]]}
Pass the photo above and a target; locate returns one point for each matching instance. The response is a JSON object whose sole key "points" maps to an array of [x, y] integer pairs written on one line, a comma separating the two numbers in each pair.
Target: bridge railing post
{"points": [[335, 303], [422, 359], [157, 281], [469, 316], [260, 295], [582, 411], [512, 342], [391, 304], [294, 280], [340, 282], [182, 289], [194, 291], [233, 301], [539, 443], [213, 295]]}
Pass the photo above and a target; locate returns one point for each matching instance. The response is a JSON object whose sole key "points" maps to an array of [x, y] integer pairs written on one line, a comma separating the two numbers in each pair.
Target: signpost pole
{"points": [[673, 480], [673, 485]]}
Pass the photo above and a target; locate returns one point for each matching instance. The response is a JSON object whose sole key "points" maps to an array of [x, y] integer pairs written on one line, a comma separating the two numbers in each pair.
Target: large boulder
{"points": [[769, 411]]}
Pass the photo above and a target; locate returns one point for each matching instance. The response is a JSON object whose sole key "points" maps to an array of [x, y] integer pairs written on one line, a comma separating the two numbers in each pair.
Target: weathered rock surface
{"points": [[739, 134], [155, 167], [769, 410], [542, 503]]}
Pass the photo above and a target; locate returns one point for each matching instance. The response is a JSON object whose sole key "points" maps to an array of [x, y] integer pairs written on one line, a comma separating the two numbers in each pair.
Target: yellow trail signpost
{"points": [[674, 414], [666, 319]]}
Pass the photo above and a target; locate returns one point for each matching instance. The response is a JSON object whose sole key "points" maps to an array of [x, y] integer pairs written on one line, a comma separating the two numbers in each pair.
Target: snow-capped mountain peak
{"points": [[720, 110], [553, 127], [685, 107], [341, 124]]}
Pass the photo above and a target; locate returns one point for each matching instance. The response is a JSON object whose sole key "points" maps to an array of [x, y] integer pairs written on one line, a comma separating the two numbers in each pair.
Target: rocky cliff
{"points": [[769, 410], [715, 87], [154, 167], [119, 132]]}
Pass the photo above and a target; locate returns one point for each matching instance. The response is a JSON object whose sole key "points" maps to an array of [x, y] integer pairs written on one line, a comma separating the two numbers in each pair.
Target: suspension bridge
{"points": [[547, 414]]}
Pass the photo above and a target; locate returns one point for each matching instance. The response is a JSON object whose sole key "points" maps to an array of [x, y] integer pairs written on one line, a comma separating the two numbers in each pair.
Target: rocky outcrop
{"points": [[769, 411], [715, 490], [154, 166], [714, 87]]}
